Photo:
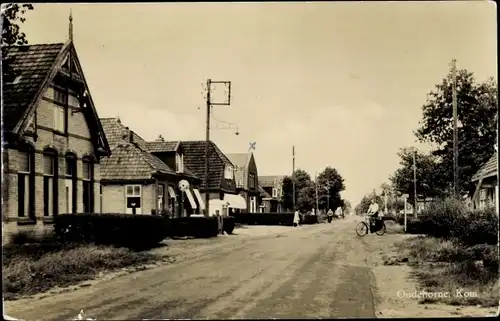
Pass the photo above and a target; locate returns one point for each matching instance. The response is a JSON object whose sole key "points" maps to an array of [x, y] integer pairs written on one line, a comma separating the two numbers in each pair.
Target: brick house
{"points": [[135, 181], [246, 178], [273, 186], [221, 180], [52, 138], [486, 178]]}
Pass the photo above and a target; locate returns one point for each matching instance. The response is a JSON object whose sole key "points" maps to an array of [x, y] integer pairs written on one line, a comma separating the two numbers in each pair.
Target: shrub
{"points": [[309, 219], [112, 229], [229, 224], [476, 227], [440, 218], [194, 226], [264, 218]]}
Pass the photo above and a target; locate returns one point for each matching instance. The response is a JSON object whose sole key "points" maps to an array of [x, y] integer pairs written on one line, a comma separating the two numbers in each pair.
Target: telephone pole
{"points": [[316, 186], [415, 181], [293, 175], [207, 140], [455, 127]]}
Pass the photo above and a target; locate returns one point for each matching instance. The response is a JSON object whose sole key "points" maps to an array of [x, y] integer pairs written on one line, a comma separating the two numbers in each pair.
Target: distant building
{"points": [[246, 178], [272, 198], [486, 180]]}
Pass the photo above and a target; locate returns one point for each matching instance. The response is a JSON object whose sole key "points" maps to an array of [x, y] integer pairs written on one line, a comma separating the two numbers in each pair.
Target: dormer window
{"points": [[275, 192], [179, 163], [228, 172]]}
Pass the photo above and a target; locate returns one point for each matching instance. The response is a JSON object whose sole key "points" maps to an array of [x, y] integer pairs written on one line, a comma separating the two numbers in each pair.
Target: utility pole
{"points": [[210, 103], [316, 185], [293, 175], [415, 181], [207, 143], [455, 127]]}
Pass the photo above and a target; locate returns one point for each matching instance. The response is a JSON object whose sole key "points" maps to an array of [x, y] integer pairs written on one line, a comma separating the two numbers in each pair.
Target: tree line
{"points": [[329, 183], [477, 138]]}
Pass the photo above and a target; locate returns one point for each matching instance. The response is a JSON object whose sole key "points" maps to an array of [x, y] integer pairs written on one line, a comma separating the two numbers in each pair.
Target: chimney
{"points": [[118, 120], [160, 138], [128, 135]]}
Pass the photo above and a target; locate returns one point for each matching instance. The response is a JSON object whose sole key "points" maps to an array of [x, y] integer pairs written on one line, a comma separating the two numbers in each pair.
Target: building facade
{"points": [[53, 139], [486, 194], [135, 181], [246, 179], [273, 186]]}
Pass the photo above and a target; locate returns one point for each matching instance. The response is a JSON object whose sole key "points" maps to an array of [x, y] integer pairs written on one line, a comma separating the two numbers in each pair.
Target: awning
{"points": [[171, 192], [199, 198], [191, 199], [235, 201]]}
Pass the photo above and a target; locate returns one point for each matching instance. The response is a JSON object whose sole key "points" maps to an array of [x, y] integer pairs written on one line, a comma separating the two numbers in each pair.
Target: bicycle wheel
{"points": [[381, 231], [361, 229]]}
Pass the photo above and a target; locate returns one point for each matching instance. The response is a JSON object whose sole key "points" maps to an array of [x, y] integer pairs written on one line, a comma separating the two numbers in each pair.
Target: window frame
{"points": [[88, 186], [179, 162], [73, 177], [251, 180], [228, 171], [50, 184], [26, 203]]}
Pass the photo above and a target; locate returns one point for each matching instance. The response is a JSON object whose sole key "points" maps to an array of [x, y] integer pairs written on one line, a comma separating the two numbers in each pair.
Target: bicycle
{"points": [[363, 227]]}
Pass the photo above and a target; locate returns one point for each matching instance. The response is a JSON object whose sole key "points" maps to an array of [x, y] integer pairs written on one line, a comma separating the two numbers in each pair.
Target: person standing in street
{"points": [[296, 218], [330, 215], [339, 213]]}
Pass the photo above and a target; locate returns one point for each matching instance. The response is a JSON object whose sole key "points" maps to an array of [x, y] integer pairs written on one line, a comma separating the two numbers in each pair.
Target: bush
{"points": [[476, 227], [229, 224], [441, 217], [264, 218], [112, 229], [201, 227], [309, 219]]}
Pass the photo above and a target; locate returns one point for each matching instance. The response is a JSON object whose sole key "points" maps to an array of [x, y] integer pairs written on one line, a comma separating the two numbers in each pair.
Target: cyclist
{"points": [[373, 212]]}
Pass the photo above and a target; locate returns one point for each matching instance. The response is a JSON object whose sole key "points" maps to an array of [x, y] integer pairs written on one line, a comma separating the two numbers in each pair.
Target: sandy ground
{"points": [[323, 271]]}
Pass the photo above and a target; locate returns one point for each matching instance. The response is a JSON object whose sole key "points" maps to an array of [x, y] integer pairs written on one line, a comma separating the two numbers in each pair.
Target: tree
{"points": [[347, 208], [365, 202], [12, 17], [431, 179], [287, 197], [331, 183], [477, 112]]}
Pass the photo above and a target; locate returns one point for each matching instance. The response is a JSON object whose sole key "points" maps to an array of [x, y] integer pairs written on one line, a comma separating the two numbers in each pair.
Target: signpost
{"points": [[405, 198]]}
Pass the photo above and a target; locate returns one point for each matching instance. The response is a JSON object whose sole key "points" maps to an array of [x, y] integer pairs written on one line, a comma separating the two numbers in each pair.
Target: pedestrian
{"points": [[338, 212], [330, 215], [296, 218]]}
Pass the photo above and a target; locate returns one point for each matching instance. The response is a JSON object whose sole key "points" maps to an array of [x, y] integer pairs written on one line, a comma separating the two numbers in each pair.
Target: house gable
{"points": [[24, 120]]}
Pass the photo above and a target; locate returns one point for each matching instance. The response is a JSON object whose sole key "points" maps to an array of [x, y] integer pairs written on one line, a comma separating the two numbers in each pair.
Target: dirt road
{"points": [[312, 271]]}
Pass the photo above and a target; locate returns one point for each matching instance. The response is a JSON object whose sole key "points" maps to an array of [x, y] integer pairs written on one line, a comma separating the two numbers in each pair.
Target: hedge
{"points": [[201, 227], [112, 229], [264, 218], [229, 224], [285, 219]]}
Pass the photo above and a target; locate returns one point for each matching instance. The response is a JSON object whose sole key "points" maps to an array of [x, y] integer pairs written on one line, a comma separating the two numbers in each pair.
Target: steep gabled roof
{"points": [[36, 66], [268, 180], [162, 147], [240, 162], [32, 64], [194, 158], [263, 193], [129, 160], [490, 168]]}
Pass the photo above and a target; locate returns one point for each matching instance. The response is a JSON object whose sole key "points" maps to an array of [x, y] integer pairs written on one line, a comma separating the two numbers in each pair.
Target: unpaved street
{"points": [[312, 271]]}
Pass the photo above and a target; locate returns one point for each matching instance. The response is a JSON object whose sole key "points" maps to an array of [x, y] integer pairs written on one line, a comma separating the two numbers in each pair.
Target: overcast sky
{"points": [[343, 82]]}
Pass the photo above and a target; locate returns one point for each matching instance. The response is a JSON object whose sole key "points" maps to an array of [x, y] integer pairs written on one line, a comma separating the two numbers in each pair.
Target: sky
{"points": [[343, 82]]}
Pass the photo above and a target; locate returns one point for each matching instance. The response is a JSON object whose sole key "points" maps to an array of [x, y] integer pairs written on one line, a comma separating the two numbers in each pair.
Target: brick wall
{"points": [[114, 198], [78, 142]]}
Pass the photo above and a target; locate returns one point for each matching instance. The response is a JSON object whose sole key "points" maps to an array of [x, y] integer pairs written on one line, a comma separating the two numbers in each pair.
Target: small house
{"points": [[246, 179], [273, 185], [486, 180]]}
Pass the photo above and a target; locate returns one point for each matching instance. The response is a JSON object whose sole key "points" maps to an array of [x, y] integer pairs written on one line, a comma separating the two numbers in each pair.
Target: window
{"points": [[71, 183], [252, 181], [59, 119], [179, 163], [228, 172], [73, 99], [161, 195], [26, 183], [60, 96], [133, 199], [88, 186], [50, 188], [275, 192]]}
